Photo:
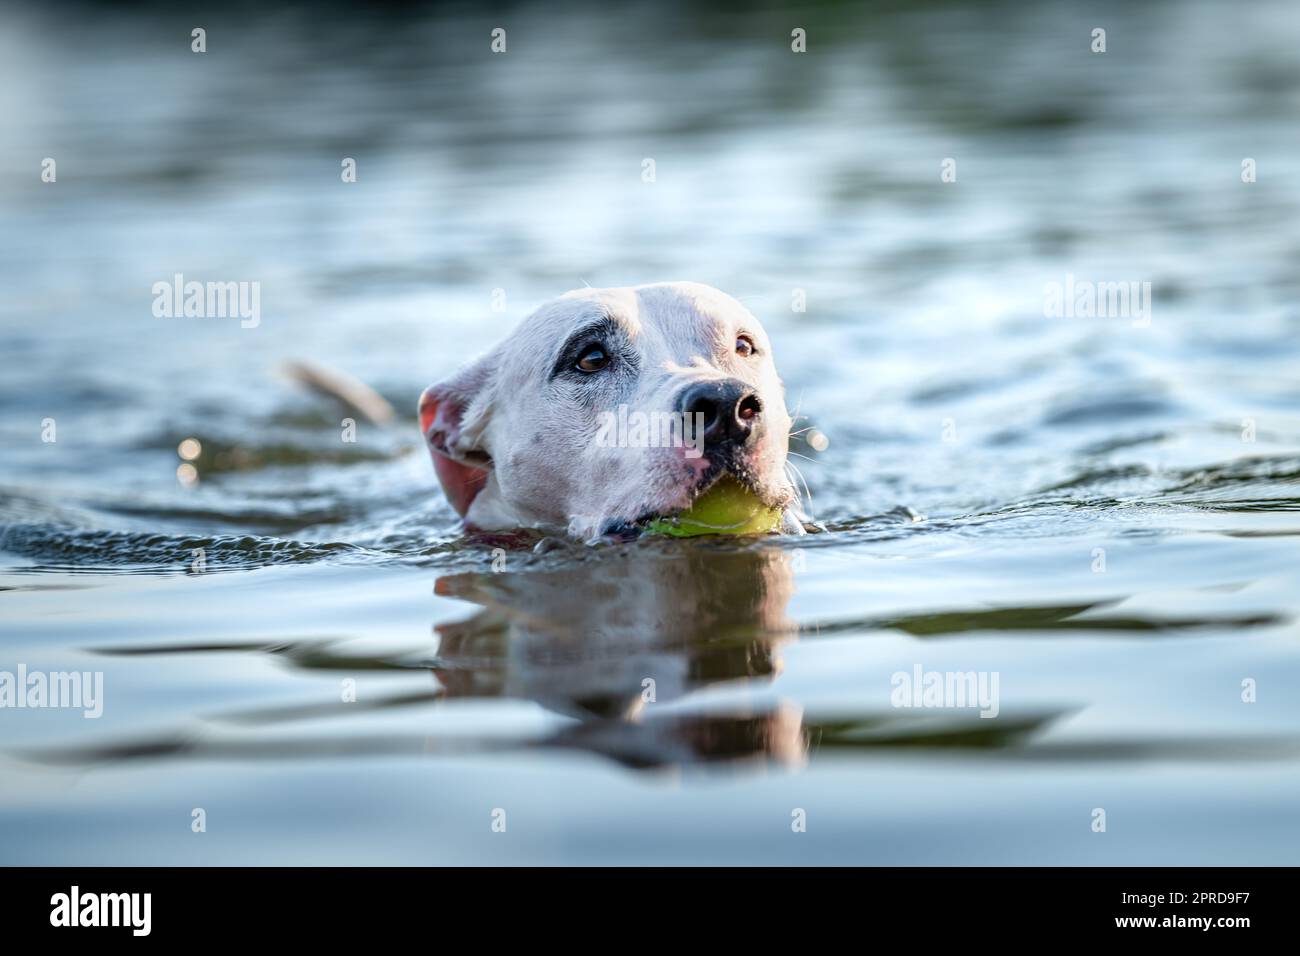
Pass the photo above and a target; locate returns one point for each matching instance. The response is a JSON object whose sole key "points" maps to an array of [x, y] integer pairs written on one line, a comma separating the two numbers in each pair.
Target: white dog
{"points": [[534, 433]]}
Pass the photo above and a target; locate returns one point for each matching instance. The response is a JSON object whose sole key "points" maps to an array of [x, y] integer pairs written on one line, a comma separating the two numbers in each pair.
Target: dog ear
{"points": [[453, 418]]}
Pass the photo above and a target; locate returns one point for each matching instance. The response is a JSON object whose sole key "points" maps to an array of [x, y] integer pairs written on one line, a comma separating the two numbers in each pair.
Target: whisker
{"points": [[807, 491], [797, 405]]}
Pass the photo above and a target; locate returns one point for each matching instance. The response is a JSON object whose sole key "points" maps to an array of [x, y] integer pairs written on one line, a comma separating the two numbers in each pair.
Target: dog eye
{"points": [[594, 359], [744, 346]]}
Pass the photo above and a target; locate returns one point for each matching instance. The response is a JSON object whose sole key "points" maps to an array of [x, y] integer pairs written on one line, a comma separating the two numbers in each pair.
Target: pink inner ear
{"points": [[439, 423]]}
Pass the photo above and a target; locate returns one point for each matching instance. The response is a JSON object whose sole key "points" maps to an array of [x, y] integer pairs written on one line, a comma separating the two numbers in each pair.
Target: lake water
{"points": [[1100, 513]]}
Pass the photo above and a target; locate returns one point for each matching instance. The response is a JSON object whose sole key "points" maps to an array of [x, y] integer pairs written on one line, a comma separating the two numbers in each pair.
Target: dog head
{"points": [[609, 407]]}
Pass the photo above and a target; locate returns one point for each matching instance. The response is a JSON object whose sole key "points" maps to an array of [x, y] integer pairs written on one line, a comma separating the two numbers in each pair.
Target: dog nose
{"points": [[731, 410]]}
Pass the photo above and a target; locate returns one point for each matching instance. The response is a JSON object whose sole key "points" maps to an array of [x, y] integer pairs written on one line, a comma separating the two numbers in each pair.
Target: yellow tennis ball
{"points": [[726, 508]]}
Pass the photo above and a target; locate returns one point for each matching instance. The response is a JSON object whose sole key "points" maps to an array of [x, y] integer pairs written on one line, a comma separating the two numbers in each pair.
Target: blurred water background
{"points": [[1103, 512]]}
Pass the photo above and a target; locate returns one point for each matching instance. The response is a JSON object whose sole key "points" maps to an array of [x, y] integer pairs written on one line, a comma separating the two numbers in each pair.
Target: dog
{"points": [[520, 437]]}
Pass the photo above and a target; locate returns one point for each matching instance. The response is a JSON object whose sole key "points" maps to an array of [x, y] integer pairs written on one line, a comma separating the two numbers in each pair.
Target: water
{"points": [[1099, 532]]}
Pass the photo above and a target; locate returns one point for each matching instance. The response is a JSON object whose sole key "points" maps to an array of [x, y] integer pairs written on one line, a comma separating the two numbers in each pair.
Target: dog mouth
{"points": [[628, 529]]}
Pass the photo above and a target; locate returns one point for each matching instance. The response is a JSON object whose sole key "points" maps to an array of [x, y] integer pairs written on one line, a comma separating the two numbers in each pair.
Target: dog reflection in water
{"points": [[621, 640]]}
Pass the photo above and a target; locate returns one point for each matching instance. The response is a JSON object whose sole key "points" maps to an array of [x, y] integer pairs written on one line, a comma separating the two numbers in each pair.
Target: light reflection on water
{"points": [[770, 662]]}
